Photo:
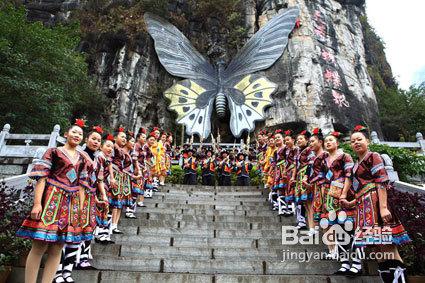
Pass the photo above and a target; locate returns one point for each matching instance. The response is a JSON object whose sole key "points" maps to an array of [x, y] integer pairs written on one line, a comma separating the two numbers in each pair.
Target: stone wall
{"points": [[322, 76]]}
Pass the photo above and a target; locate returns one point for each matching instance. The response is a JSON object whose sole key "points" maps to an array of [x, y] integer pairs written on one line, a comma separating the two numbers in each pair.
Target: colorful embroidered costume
{"points": [[143, 154], [269, 166], [304, 163], [95, 170], [121, 194], [286, 175], [368, 177], [278, 168], [61, 212], [316, 180], [159, 159], [103, 210], [335, 172]]}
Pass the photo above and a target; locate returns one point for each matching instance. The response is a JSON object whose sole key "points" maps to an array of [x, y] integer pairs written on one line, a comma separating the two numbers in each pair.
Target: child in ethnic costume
{"points": [[131, 168], [373, 211], [287, 177], [104, 216], [303, 190], [208, 165], [316, 177], [336, 172], [158, 150], [55, 217], [261, 154], [121, 184], [169, 152], [144, 182], [278, 168], [268, 163], [242, 169], [94, 195]]}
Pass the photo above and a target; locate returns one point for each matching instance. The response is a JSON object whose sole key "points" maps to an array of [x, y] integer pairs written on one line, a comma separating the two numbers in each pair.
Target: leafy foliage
{"points": [[406, 162], [410, 209], [100, 17], [13, 210], [214, 18], [402, 112], [43, 79]]}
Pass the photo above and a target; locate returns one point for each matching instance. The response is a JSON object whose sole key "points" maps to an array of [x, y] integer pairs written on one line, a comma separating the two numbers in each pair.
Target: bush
{"points": [[406, 162], [411, 211], [13, 211]]}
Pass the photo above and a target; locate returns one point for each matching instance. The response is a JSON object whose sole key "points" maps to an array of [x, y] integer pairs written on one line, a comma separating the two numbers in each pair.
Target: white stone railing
{"points": [[27, 150], [418, 146]]}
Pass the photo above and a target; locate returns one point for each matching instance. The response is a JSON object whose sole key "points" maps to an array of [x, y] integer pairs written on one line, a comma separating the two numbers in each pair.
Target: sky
{"points": [[401, 25]]}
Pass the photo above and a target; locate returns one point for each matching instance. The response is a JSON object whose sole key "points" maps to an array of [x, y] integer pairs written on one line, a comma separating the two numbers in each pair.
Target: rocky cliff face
{"points": [[322, 76]]}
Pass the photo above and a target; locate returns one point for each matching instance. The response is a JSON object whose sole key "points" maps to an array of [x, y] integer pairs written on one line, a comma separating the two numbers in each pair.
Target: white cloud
{"points": [[401, 26]]}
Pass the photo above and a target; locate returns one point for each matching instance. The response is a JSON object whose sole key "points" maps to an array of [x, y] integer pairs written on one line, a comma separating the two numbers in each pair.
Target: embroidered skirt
{"points": [[370, 229], [303, 190], [121, 194], [61, 216]]}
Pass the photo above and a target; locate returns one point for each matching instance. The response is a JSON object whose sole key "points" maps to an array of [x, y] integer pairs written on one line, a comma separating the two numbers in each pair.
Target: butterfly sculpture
{"points": [[246, 94]]}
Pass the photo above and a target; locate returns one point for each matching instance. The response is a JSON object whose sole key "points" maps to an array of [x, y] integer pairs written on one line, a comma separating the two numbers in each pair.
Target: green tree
{"points": [[43, 78], [402, 112]]}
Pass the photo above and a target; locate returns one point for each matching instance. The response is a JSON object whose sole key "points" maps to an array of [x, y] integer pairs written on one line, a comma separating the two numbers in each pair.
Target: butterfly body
{"points": [[234, 87]]}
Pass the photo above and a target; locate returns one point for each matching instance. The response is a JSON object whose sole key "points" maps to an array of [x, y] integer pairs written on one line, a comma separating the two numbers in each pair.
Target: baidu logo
{"points": [[337, 227]]}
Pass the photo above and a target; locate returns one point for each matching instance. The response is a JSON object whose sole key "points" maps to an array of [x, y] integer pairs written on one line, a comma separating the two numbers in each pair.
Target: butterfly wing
{"points": [[248, 99], [264, 47], [176, 53], [193, 105], [249, 95], [192, 98]]}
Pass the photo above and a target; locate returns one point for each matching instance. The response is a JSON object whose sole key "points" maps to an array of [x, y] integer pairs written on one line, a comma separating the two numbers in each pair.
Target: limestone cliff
{"points": [[323, 76]]}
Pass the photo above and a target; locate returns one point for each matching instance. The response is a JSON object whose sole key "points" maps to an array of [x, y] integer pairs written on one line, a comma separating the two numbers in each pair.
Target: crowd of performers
{"points": [[311, 178], [81, 192]]}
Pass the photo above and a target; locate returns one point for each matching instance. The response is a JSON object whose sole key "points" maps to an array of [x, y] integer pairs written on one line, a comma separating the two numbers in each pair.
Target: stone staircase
{"points": [[205, 234]]}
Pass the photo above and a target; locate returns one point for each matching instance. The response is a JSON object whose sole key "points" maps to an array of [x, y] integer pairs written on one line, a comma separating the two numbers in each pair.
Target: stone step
{"points": [[274, 253], [208, 221], [194, 193], [208, 242], [210, 233], [104, 276], [163, 205], [209, 188], [224, 202], [214, 218], [144, 251], [211, 266], [212, 201], [190, 211], [197, 224], [217, 199]]}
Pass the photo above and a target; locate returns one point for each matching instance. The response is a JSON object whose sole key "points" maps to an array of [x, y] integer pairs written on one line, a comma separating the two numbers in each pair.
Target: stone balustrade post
{"points": [[374, 137], [3, 135], [421, 142], [54, 135]]}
